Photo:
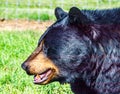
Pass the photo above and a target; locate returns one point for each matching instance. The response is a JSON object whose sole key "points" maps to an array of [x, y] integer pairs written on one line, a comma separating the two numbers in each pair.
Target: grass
{"points": [[15, 47], [44, 9]]}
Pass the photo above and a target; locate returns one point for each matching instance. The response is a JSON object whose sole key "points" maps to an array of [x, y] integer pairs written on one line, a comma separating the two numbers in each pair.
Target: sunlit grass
{"points": [[44, 9]]}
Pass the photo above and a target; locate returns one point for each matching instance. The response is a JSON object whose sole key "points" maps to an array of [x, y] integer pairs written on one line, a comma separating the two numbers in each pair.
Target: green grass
{"points": [[15, 47], [44, 9]]}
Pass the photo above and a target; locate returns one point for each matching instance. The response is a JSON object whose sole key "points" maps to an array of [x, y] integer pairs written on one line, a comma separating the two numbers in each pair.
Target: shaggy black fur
{"points": [[85, 46]]}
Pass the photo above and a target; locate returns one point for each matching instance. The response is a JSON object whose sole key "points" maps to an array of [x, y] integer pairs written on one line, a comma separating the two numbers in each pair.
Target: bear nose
{"points": [[24, 66]]}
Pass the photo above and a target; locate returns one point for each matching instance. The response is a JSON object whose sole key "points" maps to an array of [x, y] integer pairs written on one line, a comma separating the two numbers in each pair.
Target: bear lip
{"points": [[42, 77]]}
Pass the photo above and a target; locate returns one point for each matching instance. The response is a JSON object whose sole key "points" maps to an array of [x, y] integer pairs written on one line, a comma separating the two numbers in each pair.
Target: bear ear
{"points": [[76, 16], [59, 13]]}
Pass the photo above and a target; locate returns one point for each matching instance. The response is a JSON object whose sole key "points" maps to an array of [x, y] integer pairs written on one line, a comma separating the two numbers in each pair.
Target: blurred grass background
{"points": [[44, 9], [16, 46]]}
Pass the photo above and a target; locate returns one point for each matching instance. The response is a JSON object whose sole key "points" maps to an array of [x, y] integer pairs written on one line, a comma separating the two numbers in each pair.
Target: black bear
{"points": [[81, 48]]}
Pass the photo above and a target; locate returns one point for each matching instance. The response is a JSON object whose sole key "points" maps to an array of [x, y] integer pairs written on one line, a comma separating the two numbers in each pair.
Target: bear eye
{"points": [[52, 53], [51, 50], [45, 49]]}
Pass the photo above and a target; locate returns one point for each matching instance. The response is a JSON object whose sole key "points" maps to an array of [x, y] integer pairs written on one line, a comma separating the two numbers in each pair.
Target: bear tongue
{"points": [[42, 77]]}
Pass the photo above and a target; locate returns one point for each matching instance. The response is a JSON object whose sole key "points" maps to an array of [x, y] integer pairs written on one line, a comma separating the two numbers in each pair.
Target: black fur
{"points": [[85, 46]]}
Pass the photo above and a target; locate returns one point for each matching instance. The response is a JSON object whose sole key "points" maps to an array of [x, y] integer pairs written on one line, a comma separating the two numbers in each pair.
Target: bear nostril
{"points": [[24, 66]]}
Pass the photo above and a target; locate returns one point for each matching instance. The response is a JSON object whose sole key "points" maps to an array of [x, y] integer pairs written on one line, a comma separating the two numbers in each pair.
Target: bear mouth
{"points": [[44, 77]]}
